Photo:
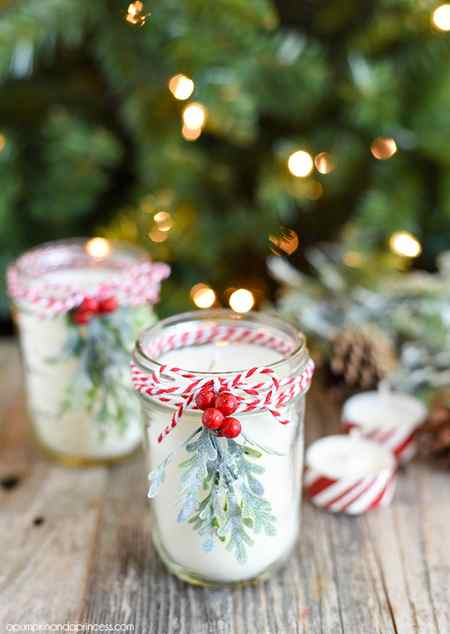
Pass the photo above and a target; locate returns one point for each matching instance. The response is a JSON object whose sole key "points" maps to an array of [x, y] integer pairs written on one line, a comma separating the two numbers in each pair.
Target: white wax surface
{"points": [[75, 433], [348, 457], [84, 279], [383, 410], [281, 479], [221, 357]]}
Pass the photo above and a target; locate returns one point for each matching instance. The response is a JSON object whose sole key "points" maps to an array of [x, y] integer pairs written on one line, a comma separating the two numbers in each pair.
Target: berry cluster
{"points": [[91, 307], [217, 410]]}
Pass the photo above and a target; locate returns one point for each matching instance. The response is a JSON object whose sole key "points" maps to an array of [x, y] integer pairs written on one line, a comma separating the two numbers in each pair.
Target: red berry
{"points": [[212, 418], [82, 317], [205, 398], [230, 428], [227, 403], [108, 305], [89, 305]]}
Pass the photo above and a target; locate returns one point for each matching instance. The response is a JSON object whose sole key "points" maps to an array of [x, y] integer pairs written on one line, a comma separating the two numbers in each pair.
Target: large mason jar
{"points": [[223, 398], [79, 305]]}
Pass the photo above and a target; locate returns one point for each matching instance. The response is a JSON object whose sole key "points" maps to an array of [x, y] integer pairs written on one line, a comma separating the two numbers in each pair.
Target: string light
{"points": [[194, 116], [190, 134], [286, 241], [157, 235], [405, 244], [135, 13], [181, 87], [203, 296], [383, 148], [300, 164], [241, 300], [163, 220], [324, 163], [98, 248], [2, 141], [441, 17]]}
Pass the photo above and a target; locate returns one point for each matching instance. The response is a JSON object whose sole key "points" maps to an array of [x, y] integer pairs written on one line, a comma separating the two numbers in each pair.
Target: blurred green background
{"points": [[217, 133]]}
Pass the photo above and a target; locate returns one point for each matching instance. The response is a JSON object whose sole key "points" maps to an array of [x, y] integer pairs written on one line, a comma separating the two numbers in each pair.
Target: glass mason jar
{"points": [[79, 305], [226, 505]]}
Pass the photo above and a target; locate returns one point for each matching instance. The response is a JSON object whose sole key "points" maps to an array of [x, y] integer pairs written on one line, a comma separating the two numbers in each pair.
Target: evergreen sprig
{"points": [[221, 495], [100, 383]]}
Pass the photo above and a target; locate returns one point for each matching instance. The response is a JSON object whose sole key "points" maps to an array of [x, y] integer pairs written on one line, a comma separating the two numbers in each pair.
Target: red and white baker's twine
{"points": [[256, 389], [133, 285]]}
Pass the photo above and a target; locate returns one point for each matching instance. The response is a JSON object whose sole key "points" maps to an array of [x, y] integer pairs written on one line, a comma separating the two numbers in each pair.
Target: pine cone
{"points": [[361, 356], [434, 435]]}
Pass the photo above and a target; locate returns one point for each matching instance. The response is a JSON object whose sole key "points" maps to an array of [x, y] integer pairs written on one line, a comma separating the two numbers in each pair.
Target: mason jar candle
{"points": [[223, 398], [79, 305]]}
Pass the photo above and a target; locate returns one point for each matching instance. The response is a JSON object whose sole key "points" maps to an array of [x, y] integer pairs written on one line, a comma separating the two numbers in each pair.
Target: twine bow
{"points": [[256, 389]]}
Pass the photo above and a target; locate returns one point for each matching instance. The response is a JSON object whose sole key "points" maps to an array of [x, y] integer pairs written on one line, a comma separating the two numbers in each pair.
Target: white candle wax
{"points": [[348, 457], [281, 478], [73, 433], [383, 410]]}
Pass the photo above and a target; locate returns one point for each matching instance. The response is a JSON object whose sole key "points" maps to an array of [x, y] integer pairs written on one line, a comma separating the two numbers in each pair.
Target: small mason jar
{"points": [[79, 305], [226, 495]]}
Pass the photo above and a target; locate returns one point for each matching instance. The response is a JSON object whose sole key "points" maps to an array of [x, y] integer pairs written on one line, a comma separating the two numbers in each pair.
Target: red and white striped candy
{"points": [[346, 474], [390, 419]]}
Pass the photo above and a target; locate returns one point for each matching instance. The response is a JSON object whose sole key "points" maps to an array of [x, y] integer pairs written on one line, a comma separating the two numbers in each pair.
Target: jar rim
{"points": [[25, 263], [298, 351], [131, 275]]}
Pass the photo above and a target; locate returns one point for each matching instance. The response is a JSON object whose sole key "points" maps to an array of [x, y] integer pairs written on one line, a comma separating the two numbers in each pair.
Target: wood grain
{"points": [[76, 547]]}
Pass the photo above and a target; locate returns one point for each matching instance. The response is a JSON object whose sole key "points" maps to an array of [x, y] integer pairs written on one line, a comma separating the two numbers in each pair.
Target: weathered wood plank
{"points": [[91, 559], [48, 516]]}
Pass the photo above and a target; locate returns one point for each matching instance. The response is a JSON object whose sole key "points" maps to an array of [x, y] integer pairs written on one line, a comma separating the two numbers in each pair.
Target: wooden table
{"points": [[75, 547]]}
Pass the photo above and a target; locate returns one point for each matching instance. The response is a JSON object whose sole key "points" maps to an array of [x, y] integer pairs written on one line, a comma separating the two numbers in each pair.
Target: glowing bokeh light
{"points": [[194, 116], [189, 134], [383, 148], [203, 296], [163, 220], [441, 17], [300, 164], [286, 241], [324, 163], [157, 235], [2, 141], [405, 244], [98, 248], [181, 87], [241, 300], [135, 13]]}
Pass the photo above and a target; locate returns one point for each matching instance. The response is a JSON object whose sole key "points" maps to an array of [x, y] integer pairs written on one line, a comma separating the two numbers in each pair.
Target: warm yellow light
{"points": [[194, 115], [157, 235], [98, 248], [181, 87], [405, 244], [286, 241], [441, 17], [300, 164], [2, 141], [135, 13], [324, 163], [190, 134], [203, 296], [242, 300], [163, 220], [383, 148]]}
